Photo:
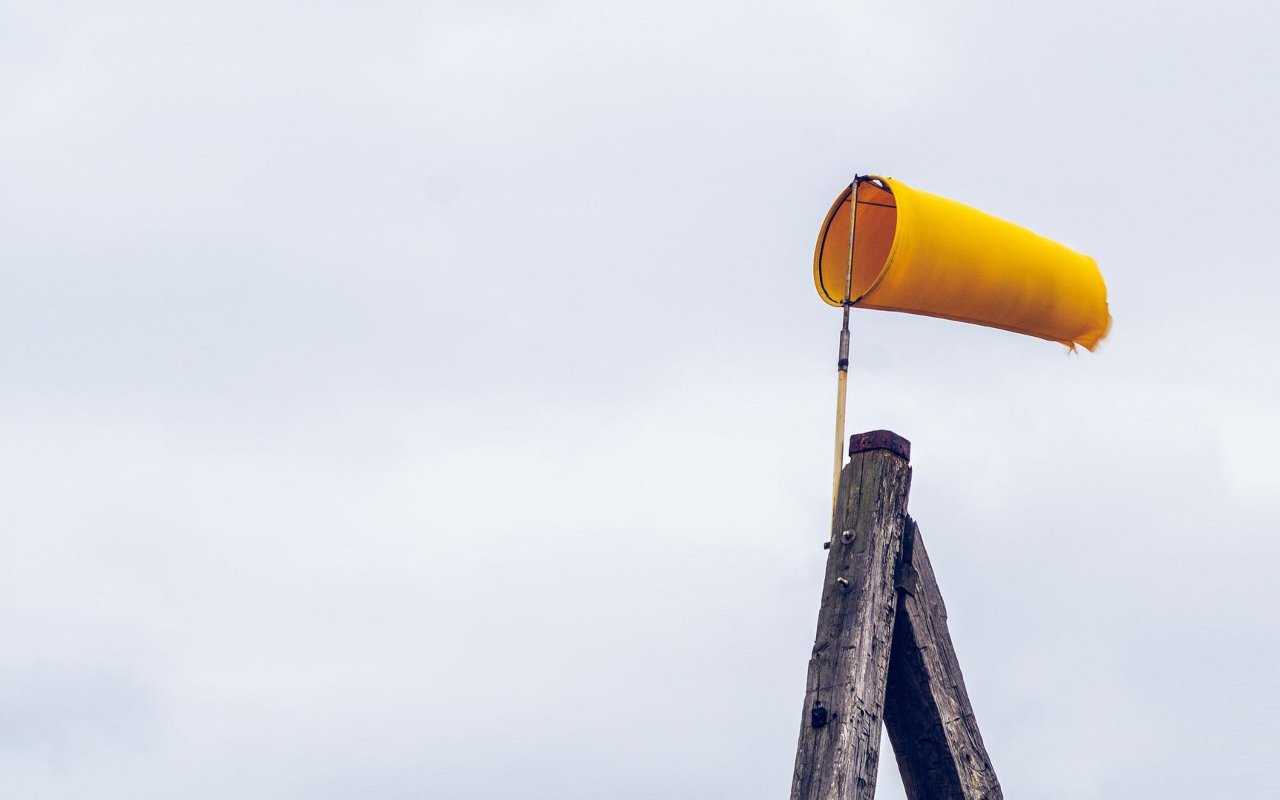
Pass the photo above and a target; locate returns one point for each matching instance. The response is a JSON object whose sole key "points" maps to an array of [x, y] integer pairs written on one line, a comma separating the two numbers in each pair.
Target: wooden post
{"points": [[931, 724], [839, 747], [883, 652]]}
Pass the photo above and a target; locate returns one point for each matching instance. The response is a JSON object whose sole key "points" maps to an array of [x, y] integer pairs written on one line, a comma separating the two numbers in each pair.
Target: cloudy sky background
{"points": [[406, 400]]}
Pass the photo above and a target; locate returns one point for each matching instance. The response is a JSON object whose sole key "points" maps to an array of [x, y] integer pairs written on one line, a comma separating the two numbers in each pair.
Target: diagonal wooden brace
{"points": [[927, 713]]}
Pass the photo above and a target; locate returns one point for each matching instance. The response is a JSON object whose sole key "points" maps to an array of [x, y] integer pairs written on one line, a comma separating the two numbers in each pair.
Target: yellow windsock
{"points": [[923, 254]]}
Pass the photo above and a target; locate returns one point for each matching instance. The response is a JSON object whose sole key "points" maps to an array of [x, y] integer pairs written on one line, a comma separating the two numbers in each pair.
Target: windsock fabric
{"points": [[923, 254]]}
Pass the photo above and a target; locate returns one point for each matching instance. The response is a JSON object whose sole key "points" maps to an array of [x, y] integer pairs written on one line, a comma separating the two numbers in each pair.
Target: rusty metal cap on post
{"points": [[880, 440]]}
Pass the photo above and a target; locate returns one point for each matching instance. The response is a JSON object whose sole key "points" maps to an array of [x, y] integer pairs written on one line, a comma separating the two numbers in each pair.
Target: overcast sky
{"points": [[431, 400]]}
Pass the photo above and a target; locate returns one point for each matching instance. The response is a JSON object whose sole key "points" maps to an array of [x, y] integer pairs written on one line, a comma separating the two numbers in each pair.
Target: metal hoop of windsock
{"points": [[911, 251]]}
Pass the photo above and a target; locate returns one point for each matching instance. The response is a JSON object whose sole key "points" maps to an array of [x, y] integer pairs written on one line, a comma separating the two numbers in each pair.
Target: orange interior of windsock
{"points": [[876, 222]]}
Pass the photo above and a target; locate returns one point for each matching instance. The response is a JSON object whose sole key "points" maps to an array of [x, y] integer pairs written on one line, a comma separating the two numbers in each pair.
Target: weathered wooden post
{"points": [[882, 652], [839, 748]]}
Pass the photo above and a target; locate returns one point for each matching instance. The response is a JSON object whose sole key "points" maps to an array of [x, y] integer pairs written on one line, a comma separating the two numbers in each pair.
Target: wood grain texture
{"points": [[927, 712], [849, 666]]}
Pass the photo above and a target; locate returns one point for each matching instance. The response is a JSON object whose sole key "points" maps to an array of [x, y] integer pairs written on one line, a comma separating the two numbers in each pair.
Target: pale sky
{"points": [[431, 400]]}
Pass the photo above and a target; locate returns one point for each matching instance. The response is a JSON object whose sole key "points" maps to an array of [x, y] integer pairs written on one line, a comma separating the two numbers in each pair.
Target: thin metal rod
{"points": [[842, 362], [853, 223]]}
